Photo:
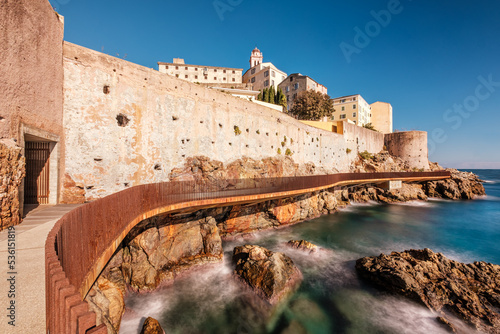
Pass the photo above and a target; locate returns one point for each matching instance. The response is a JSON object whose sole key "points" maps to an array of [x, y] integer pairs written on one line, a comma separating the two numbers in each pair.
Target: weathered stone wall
{"points": [[11, 174], [359, 139], [128, 125], [411, 146], [31, 35], [31, 80]]}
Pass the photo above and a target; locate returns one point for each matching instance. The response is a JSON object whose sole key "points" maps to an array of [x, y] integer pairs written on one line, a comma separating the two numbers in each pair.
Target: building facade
{"points": [[201, 74], [296, 83], [262, 75], [353, 108], [382, 116]]}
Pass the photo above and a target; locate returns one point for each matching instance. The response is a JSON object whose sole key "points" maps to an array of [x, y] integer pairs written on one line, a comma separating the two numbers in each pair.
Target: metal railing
{"points": [[83, 241]]}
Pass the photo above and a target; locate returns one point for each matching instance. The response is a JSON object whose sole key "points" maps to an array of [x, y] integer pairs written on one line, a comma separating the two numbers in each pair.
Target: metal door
{"points": [[36, 184]]}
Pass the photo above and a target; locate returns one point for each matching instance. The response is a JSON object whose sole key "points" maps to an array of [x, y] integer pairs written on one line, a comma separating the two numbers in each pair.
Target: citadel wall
{"points": [[127, 125]]}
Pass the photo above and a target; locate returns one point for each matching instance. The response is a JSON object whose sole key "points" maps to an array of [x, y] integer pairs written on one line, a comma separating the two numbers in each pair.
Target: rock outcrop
{"points": [[12, 172], [152, 326], [469, 291], [303, 245], [154, 252], [461, 185], [271, 275]]}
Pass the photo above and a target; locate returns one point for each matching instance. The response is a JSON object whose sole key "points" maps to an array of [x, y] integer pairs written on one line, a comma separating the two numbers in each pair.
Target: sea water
{"points": [[331, 298]]}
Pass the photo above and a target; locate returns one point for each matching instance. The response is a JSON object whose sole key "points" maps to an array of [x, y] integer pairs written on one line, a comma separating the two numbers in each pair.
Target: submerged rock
{"points": [[152, 326], [470, 291], [271, 275], [303, 245]]}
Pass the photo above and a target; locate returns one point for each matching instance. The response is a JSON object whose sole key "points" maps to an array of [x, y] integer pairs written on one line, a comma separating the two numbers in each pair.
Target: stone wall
{"points": [[128, 125], [410, 146], [11, 174], [31, 80], [31, 66]]}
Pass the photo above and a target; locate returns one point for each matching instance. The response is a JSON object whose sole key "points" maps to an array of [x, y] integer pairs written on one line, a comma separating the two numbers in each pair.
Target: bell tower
{"points": [[256, 58]]}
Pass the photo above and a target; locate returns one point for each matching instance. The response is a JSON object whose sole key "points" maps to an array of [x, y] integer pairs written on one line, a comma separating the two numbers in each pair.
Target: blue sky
{"points": [[436, 62]]}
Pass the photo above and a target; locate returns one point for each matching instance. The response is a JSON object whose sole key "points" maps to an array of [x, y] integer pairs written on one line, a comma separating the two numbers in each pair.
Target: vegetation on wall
{"points": [[370, 126], [312, 105]]}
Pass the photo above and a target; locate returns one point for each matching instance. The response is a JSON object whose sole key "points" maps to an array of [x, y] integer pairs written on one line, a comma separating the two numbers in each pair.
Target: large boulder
{"points": [[303, 245], [152, 326], [271, 275], [469, 291]]}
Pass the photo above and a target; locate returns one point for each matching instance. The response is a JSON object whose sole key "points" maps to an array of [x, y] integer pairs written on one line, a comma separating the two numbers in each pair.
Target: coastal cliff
{"points": [[160, 248]]}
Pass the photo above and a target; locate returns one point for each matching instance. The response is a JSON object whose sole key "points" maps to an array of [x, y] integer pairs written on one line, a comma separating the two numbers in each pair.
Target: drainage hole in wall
{"points": [[174, 118], [106, 89], [122, 120], [98, 159], [157, 167]]}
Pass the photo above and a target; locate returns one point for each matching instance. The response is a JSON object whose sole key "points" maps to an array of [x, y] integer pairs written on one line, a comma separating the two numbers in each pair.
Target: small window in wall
{"points": [[273, 74], [253, 71], [234, 72], [272, 82], [296, 86], [177, 75], [353, 114], [196, 68], [215, 70], [224, 79], [196, 77], [287, 98], [206, 77], [353, 106], [342, 101], [166, 67], [234, 79], [333, 118], [342, 116], [287, 89], [177, 67], [266, 83], [215, 78], [343, 108], [354, 98], [186, 76], [186, 68], [266, 73], [224, 71], [253, 80]]}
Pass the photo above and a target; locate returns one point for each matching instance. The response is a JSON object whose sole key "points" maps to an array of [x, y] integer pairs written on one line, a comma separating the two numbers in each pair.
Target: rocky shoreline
{"points": [[159, 249], [469, 291]]}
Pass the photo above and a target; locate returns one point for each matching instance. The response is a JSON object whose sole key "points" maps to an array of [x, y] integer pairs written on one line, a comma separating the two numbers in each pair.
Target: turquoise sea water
{"points": [[332, 299]]}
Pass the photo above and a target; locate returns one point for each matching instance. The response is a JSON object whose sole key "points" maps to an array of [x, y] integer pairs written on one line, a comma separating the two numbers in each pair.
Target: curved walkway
{"points": [[84, 240], [30, 269]]}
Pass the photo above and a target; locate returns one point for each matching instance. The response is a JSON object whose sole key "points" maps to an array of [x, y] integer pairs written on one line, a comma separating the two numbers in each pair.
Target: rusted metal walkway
{"points": [[84, 240]]}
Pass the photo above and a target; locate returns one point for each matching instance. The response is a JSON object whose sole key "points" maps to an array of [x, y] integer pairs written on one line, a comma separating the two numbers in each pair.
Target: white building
{"points": [[352, 107], [262, 75], [201, 74]]}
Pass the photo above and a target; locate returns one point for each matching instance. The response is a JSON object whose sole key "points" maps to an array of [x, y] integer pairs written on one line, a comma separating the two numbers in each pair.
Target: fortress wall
{"points": [[410, 146], [360, 139], [169, 120], [31, 65]]}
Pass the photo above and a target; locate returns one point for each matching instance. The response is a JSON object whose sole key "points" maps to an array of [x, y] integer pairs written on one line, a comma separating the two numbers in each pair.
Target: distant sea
{"points": [[332, 299]]}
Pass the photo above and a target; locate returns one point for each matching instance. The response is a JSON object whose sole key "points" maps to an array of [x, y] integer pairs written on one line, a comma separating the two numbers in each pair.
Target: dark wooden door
{"points": [[36, 184]]}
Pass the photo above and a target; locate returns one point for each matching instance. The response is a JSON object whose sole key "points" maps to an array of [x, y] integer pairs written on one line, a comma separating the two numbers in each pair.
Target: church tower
{"points": [[256, 58]]}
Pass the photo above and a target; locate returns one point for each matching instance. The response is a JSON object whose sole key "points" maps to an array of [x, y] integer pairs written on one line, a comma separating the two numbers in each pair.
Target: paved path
{"points": [[30, 238]]}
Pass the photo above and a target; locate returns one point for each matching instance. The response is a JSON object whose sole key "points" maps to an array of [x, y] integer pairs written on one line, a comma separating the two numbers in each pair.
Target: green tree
{"points": [[265, 95], [272, 94], [260, 97], [312, 105], [281, 99]]}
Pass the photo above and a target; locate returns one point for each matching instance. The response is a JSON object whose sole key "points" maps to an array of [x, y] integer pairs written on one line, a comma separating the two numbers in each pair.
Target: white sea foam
{"points": [[416, 203], [492, 181]]}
